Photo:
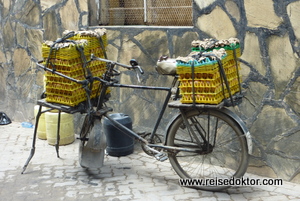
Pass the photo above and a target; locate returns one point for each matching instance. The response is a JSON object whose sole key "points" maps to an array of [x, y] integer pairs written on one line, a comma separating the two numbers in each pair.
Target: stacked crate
{"points": [[206, 86], [68, 58]]}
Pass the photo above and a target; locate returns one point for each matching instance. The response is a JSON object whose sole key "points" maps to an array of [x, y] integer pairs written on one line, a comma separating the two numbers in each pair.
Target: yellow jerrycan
{"points": [[67, 135]]}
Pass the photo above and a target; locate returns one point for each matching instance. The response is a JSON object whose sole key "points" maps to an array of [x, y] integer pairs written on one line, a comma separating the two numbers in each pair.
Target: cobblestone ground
{"points": [[134, 177]]}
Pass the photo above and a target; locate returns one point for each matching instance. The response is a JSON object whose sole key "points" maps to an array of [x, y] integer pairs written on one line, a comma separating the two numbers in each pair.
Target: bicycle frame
{"points": [[131, 133], [164, 106], [105, 85], [101, 110]]}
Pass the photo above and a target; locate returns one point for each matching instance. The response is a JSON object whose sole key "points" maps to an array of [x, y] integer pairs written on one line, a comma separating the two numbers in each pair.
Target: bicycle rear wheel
{"points": [[220, 148]]}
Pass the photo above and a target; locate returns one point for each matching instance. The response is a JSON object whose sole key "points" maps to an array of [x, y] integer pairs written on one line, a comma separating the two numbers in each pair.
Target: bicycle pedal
{"points": [[161, 157]]}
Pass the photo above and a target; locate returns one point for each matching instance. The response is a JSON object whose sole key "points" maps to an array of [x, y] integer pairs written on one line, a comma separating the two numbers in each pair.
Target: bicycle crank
{"points": [[156, 140]]}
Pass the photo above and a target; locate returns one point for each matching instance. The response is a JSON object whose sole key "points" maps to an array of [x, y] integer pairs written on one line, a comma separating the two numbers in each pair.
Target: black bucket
{"points": [[118, 143]]}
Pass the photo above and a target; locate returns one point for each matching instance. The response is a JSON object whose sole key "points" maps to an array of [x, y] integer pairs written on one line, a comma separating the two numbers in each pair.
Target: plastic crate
{"points": [[66, 59], [207, 84], [207, 69], [94, 39], [206, 98], [71, 98]]}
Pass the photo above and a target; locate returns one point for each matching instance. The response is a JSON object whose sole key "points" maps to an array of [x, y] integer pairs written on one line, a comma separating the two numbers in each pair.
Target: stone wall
{"points": [[269, 32], [24, 24]]}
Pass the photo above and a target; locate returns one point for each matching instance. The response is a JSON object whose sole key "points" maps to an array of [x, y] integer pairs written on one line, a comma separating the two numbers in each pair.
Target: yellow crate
{"points": [[71, 98], [65, 58], [93, 37], [209, 96], [207, 81], [73, 74], [63, 94], [200, 86], [71, 63], [209, 87], [70, 101], [61, 86], [231, 51], [205, 98]]}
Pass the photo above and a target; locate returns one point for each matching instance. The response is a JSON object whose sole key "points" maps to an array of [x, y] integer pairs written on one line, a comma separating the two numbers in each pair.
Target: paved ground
{"points": [[134, 177]]}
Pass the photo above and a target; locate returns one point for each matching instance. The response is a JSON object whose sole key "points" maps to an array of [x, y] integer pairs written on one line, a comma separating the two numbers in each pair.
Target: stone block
{"points": [[3, 77], [51, 26], [20, 32], [93, 10], [46, 4], [294, 15], [182, 44], [9, 35], [250, 105], [112, 52], [203, 4], [34, 42], [233, 9], [281, 53], [252, 52], [84, 21], [83, 5], [293, 97], [270, 123], [217, 24], [262, 14], [29, 13], [245, 71], [283, 166], [129, 50], [6, 8], [69, 16], [155, 44], [288, 143], [21, 61]]}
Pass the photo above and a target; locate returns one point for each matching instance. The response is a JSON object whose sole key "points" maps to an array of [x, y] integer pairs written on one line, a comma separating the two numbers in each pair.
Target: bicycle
{"points": [[201, 141]]}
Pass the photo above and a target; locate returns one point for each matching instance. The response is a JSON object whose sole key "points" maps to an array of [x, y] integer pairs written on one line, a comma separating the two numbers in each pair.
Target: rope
{"points": [[237, 69], [224, 78], [193, 85]]}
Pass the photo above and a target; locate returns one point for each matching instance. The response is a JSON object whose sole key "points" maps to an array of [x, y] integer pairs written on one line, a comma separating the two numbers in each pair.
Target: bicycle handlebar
{"points": [[134, 64]]}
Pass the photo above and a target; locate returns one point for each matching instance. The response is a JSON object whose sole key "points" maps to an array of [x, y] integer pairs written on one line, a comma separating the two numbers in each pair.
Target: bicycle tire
{"points": [[227, 159]]}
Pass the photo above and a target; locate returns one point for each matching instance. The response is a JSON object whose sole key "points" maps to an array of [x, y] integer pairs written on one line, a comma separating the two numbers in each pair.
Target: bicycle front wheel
{"points": [[220, 149]]}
